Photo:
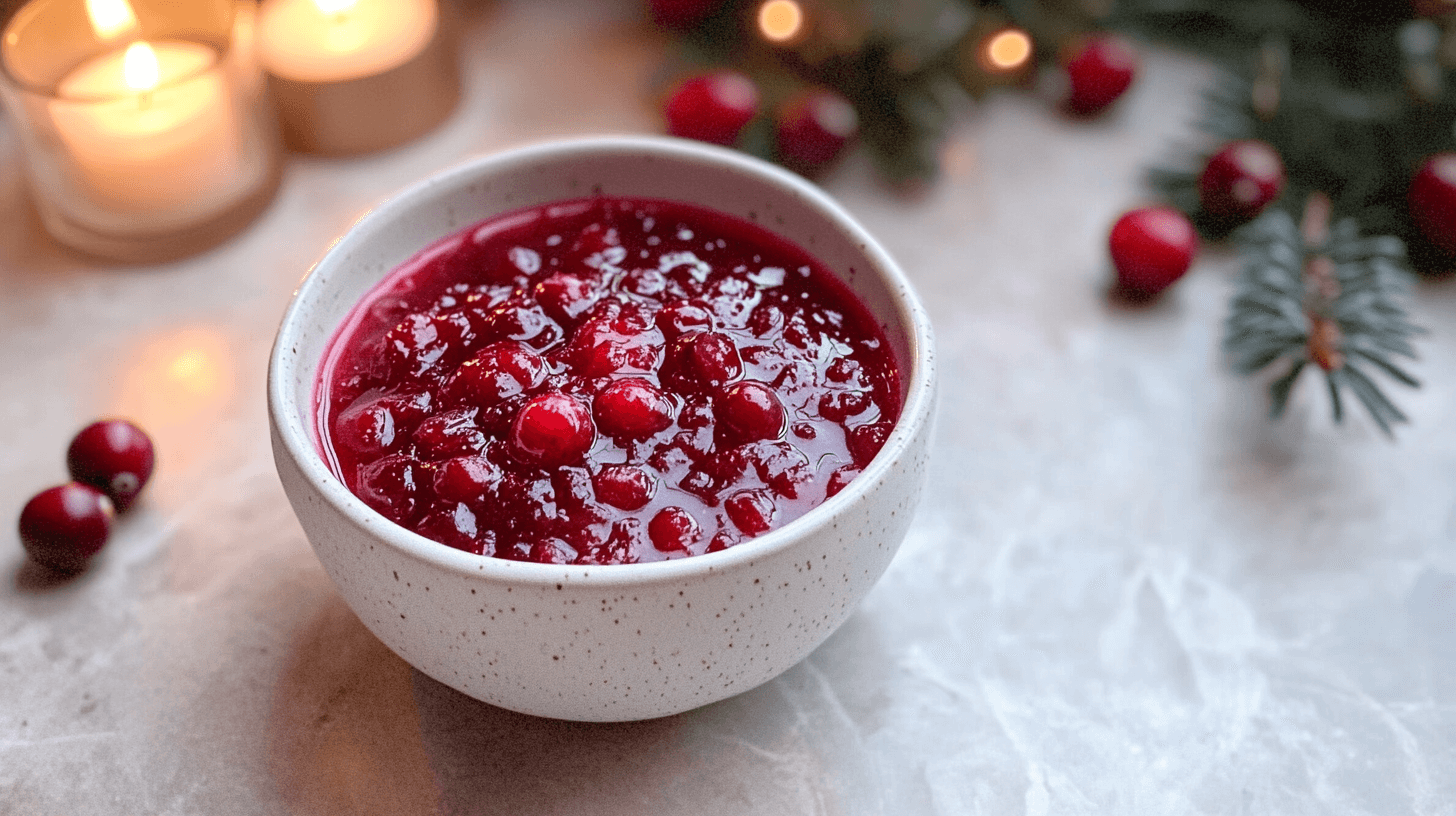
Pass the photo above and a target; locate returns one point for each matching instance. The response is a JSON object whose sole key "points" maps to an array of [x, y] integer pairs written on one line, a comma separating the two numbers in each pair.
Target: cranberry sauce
{"points": [[605, 381]]}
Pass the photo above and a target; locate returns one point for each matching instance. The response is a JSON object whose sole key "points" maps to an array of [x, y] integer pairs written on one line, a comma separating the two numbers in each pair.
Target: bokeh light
{"points": [[781, 21], [1008, 50]]}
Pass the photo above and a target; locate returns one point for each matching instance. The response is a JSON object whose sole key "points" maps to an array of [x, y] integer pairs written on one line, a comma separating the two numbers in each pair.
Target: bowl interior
{"points": [[651, 167]]}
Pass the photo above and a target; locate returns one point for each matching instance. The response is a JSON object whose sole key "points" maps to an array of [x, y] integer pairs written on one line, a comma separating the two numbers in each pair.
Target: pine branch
{"points": [[1328, 298]]}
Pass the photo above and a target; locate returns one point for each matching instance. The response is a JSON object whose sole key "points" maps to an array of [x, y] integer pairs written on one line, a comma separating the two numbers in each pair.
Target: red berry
{"points": [[1151, 248], [496, 372], [631, 409], [712, 107], [626, 487], [552, 551], [1098, 72], [865, 441], [674, 529], [750, 411], [1432, 200], [751, 511], [113, 456], [683, 316], [552, 430], [1240, 180], [466, 479], [565, 297], [705, 360], [394, 486], [813, 129], [62, 527]]}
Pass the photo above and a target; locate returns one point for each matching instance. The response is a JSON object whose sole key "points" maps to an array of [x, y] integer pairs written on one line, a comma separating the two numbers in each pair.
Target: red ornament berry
{"points": [[1098, 72], [62, 527], [552, 430], [1432, 200], [813, 129], [113, 456], [631, 409], [1240, 180], [751, 411], [1151, 248], [712, 107]]}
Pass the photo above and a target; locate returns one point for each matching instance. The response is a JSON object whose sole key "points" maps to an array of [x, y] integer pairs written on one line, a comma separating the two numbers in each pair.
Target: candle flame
{"points": [[332, 7], [780, 20], [110, 18], [139, 67], [1008, 49]]}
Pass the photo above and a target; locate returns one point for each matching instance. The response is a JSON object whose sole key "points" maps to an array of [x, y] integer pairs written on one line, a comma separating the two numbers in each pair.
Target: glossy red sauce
{"points": [[605, 381]]}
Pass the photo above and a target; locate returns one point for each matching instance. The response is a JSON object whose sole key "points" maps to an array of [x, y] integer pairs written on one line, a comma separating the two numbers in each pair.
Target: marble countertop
{"points": [[1127, 591]]}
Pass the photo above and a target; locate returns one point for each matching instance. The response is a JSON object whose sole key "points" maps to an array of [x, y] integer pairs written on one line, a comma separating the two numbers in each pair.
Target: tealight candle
{"points": [[145, 137], [335, 65], [151, 131]]}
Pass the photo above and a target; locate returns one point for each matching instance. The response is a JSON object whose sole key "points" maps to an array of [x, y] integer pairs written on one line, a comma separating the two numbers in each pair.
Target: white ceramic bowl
{"points": [[619, 642]]}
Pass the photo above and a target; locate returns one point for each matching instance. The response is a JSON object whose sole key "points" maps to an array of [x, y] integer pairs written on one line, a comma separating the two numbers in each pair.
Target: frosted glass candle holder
{"points": [[145, 127]]}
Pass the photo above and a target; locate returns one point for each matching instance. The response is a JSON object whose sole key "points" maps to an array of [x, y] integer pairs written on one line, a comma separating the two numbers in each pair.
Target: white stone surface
{"points": [[1127, 592]]}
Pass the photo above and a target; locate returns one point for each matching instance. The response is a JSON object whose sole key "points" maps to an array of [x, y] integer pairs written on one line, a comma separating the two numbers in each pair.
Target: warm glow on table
{"points": [[149, 128], [340, 40]]}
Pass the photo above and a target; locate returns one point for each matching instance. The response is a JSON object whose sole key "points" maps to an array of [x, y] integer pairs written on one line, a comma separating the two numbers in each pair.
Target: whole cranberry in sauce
{"points": [[605, 381]]}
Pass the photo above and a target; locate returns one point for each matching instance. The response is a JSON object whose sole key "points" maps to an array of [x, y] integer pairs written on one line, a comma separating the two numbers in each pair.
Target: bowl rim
{"points": [[297, 439]]}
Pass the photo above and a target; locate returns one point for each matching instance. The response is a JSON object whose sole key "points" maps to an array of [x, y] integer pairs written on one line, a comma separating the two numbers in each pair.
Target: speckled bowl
{"points": [[618, 642]]}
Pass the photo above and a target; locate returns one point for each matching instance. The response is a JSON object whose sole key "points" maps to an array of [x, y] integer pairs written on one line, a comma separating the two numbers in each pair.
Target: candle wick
{"points": [[144, 99], [341, 17]]}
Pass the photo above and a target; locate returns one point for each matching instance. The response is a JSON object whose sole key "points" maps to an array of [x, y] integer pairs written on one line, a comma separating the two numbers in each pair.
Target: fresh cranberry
{"points": [[1432, 200], [466, 479], [674, 529], [750, 410], [620, 547], [838, 406], [565, 297], [705, 360], [722, 540], [1151, 248], [450, 433], [63, 526], [631, 408], [751, 511], [712, 107], [453, 525], [866, 440], [527, 324], [1240, 180], [496, 372], [1098, 72], [552, 430], [683, 316], [626, 487], [781, 466], [394, 486], [813, 128], [113, 456]]}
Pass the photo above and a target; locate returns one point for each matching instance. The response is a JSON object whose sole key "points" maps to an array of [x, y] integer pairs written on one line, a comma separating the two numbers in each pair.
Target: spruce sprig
{"points": [[1328, 298]]}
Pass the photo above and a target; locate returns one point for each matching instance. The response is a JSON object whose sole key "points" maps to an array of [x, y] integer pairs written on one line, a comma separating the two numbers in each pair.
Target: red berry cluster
{"points": [[607, 381], [811, 127], [1152, 247], [110, 462]]}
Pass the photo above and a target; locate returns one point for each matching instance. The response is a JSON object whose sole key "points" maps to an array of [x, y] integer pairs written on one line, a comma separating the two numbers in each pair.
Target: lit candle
{"points": [[351, 76], [339, 40], [150, 129], [144, 129]]}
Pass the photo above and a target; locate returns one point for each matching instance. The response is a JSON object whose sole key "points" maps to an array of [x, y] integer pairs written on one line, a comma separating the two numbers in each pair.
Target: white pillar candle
{"points": [[151, 130], [320, 41]]}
